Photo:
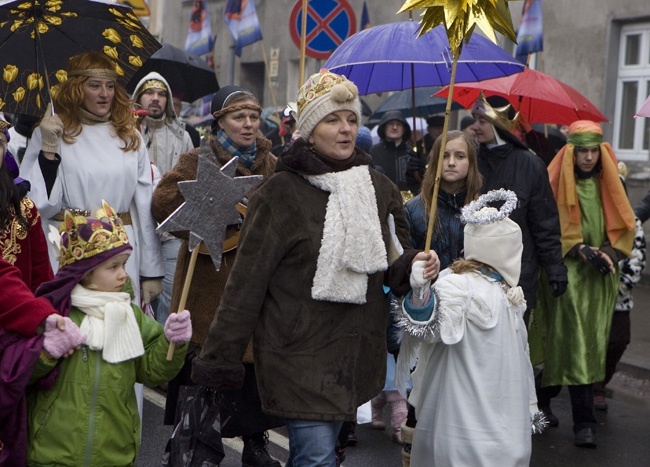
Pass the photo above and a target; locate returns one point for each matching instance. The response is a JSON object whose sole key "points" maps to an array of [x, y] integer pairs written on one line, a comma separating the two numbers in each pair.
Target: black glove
{"points": [[595, 260], [218, 378], [559, 287]]}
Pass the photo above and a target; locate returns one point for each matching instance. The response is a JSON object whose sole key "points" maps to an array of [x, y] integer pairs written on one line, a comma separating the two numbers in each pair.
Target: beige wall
{"points": [[580, 43]]}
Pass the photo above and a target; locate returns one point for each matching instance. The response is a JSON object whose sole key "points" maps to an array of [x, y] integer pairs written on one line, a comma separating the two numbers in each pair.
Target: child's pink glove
{"points": [[57, 342], [178, 327]]}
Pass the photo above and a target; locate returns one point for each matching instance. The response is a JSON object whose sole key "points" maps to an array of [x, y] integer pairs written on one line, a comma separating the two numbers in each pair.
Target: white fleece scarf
{"points": [[109, 323], [352, 246]]}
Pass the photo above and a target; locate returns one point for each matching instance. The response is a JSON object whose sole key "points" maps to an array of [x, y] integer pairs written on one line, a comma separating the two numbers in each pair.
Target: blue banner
{"points": [[199, 39], [365, 19], [530, 37], [243, 23]]}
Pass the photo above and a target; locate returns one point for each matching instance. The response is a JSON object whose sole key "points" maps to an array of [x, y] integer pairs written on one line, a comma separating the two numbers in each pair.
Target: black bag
{"points": [[196, 439]]}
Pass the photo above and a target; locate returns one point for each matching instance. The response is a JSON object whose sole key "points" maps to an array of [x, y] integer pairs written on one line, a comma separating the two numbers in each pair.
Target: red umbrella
{"points": [[539, 97], [644, 111]]}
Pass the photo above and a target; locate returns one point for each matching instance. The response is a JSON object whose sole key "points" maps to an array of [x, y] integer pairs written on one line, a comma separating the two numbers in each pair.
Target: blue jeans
{"points": [[312, 443], [161, 305]]}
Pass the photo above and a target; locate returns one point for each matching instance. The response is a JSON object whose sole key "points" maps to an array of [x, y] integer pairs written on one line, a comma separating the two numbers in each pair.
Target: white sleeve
{"points": [[151, 260]]}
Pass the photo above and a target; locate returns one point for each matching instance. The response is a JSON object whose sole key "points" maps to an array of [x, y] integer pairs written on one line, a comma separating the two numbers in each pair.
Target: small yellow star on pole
{"points": [[460, 17]]}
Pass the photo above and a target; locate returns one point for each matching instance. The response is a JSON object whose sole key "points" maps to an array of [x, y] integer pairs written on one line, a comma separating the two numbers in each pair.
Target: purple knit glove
{"points": [[58, 342], [178, 327]]}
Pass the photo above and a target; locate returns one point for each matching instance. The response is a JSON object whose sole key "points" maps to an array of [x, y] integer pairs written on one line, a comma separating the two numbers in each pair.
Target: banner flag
{"points": [[530, 37], [243, 23], [365, 19], [199, 39]]}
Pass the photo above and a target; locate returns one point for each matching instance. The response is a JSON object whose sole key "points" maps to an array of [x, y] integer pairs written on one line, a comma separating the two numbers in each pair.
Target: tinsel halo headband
{"points": [[470, 213], [103, 73]]}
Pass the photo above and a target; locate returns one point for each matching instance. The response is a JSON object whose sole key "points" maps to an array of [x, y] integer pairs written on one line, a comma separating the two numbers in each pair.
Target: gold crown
{"points": [[498, 116], [152, 84], [84, 237]]}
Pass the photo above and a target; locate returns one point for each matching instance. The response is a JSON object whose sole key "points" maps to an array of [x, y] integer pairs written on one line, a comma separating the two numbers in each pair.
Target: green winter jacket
{"points": [[90, 416]]}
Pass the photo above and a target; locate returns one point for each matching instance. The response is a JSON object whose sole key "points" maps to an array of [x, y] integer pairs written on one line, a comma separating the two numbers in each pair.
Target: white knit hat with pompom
{"points": [[322, 94]]}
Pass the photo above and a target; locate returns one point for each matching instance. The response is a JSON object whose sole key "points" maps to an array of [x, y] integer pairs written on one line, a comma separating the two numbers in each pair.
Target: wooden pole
{"points": [[185, 293], [268, 78], [413, 135], [434, 199], [303, 42]]}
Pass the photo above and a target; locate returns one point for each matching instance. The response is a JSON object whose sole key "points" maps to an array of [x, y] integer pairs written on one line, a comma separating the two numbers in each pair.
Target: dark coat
{"points": [[208, 284], [448, 234], [315, 360], [167, 198], [392, 159], [512, 167]]}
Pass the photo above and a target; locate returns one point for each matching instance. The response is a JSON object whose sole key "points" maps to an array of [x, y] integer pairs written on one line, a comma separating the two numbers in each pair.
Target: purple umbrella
{"points": [[391, 57]]}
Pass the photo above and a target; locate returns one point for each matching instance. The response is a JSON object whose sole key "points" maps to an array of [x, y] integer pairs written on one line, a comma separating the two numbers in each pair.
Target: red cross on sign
{"points": [[329, 23]]}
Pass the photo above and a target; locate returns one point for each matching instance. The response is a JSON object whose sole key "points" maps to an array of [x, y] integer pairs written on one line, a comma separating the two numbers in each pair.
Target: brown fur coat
{"points": [[207, 284]]}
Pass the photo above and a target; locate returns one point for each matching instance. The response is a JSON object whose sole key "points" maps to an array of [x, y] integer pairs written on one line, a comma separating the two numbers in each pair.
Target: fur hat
{"points": [[322, 94], [493, 238]]}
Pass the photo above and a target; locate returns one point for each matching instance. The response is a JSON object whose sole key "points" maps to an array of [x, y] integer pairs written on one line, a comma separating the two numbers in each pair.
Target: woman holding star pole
{"points": [[307, 283], [236, 113]]}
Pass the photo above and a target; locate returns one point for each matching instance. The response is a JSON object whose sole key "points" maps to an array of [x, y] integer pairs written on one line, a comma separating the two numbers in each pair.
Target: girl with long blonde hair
{"points": [[460, 183]]}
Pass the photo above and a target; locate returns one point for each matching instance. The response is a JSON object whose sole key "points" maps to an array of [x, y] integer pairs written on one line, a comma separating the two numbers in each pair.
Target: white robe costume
{"points": [[93, 168], [473, 388]]}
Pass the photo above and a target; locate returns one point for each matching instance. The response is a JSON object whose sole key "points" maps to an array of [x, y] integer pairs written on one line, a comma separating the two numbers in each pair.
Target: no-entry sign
{"points": [[329, 23]]}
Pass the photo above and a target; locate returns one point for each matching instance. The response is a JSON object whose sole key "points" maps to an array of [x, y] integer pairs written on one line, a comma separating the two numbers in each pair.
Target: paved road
{"points": [[622, 437]]}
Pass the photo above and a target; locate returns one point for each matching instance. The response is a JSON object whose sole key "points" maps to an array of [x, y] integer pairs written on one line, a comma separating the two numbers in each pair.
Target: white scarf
{"points": [[109, 323], [352, 246]]}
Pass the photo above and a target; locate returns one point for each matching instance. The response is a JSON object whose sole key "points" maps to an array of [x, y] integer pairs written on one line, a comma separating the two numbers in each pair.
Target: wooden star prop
{"points": [[460, 17], [210, 205]]}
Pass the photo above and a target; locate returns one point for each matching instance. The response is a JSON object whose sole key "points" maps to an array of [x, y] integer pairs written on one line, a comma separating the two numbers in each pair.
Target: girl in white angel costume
{"points": [[473, 388], [88, 151]]}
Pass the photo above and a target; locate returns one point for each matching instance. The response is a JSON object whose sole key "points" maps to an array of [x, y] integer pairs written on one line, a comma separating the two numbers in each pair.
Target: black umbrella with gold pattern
{"points": [[37, 37]]}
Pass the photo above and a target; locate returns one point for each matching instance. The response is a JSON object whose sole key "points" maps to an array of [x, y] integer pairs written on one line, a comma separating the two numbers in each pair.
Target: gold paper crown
{"points": [[498, 116], [152, 84], [84, 237]]}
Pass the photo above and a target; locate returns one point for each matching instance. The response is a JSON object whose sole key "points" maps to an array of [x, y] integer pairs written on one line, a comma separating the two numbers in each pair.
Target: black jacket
{"points": [[513, 167], [389, 158]]}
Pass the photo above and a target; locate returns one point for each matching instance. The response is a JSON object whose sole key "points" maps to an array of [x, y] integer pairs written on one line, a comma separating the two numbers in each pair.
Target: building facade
{"points": [[599, 47]]}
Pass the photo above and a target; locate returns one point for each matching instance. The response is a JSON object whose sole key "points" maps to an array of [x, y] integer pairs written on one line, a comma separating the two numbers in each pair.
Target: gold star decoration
{"points": [[460, 17]]}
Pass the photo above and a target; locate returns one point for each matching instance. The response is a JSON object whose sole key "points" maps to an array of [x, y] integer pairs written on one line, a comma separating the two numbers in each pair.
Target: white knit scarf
{"points": [[109, 323], [352, 246]]}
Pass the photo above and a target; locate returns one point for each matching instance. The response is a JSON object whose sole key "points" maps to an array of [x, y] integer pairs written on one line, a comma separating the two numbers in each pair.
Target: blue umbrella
{"points": [[391, 57], [426, 104]]}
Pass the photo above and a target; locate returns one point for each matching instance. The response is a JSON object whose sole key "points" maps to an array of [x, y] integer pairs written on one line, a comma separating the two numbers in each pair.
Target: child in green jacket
{"points": [[84, 411]]}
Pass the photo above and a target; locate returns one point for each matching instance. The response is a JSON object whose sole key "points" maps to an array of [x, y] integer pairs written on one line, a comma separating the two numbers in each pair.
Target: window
{"points": [[632, 135]]}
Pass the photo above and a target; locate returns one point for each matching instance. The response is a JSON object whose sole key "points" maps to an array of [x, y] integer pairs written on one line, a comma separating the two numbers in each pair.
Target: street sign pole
{"points": [[303, 42]]}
